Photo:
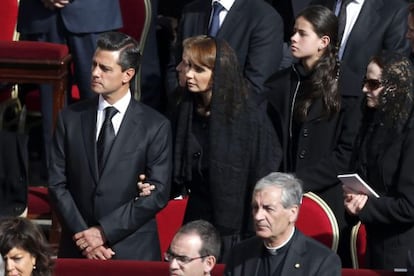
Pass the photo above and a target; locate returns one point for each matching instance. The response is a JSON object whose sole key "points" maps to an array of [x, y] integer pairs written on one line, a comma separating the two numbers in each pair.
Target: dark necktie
{"points": [[215, 20], [342, 20], [106, 137]]}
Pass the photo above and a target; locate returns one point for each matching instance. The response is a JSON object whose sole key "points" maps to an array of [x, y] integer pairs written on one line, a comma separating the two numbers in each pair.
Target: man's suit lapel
{"points": [[233, 18], [361, 31], [295, 256], [251, 266], [128, 135], [88, 124]]}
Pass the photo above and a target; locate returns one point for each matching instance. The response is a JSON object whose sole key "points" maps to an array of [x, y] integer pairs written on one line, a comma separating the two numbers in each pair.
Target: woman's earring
{"points": [[34, 267]]}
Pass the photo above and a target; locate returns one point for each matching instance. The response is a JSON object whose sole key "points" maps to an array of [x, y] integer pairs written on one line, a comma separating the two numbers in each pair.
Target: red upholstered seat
{"points": [[358, 245], [38, 203], [136, 16], [8, 101], [370, 272], [317, 220], [32, 50], [169, 220], [84, 267]]}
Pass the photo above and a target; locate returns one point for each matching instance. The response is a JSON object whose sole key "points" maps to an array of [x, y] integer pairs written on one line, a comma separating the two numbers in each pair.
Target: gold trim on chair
{"points": [[353, 245], [143, 39], [331, 217]]}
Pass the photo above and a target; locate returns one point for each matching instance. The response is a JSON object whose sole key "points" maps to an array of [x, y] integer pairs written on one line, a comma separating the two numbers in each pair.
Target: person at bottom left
{"points": [[194, 249], [24, 249]]}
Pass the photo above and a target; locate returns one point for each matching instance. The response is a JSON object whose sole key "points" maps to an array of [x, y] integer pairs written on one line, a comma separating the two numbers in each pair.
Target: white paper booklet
{"points": [[354, 182]]}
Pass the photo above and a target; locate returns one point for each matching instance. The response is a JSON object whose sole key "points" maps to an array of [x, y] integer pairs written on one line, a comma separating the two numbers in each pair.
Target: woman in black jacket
{"points": [[384, 158], [315, 125], [224, 142]]}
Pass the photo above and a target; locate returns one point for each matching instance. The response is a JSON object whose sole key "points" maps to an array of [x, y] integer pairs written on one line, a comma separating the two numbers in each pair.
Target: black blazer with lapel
{"points": [[381, 25], [252, 28], [84, 199], [305, 257], [389, 220]]}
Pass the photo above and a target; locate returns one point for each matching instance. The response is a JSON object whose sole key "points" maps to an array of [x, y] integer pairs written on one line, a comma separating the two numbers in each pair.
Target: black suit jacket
{"points": [[305, 257], [84, 199], [381, 25], [389, 220], [252, 28]]}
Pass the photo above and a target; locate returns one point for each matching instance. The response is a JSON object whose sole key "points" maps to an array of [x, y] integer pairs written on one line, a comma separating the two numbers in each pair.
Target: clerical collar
{"points": [[274, 250]]}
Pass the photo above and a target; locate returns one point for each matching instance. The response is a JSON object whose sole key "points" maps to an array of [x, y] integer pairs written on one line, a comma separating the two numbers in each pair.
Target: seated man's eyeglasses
{"points": [[169, 256]]}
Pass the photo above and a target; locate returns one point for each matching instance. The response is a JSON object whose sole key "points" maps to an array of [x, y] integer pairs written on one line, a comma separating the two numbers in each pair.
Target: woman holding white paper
{"points": [[384, 157]]}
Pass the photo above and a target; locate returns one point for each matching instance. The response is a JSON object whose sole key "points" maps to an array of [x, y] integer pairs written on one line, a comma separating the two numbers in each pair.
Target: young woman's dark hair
{"points": [[324, 79]]}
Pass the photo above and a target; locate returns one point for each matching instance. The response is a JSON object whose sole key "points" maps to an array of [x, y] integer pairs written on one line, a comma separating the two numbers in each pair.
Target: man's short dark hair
{"points": [[129, 56], [210, 237]]}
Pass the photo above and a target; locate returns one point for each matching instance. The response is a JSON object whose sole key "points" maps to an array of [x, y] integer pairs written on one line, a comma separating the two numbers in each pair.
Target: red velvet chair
{"points": [[370, 272], [169, 220], [10, 106], [358, 245], [38, 203], [36, 62], [136, 16], [317, 220], [84, 267]]}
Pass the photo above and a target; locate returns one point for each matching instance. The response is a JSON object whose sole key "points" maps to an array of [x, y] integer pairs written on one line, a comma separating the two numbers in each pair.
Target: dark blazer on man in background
{"points": [[381, 25], [90, 16], [84, 199], [78, 25], [252, 28], [305, 257]]}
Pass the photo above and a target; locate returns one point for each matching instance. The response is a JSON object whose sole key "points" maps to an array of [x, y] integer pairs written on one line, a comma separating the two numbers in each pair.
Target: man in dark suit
{"points": [[279, 248], [251, 27], [380, 25], [75, 23], [95, 196]]}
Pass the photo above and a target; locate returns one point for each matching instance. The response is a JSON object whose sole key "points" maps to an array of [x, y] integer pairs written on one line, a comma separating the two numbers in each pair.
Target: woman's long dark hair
{"points": [[396, 98], [324, 79], [384, 124]]}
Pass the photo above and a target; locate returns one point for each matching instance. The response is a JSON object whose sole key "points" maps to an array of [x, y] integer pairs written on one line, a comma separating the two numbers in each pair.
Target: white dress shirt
{"points": [[352, 12], [120, 105]]}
